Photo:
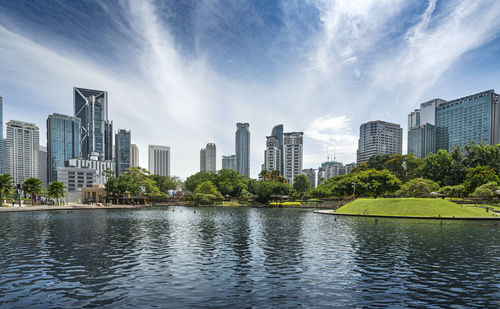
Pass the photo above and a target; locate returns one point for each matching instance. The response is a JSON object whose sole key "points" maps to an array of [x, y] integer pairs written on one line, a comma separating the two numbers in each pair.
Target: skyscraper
{"points": [[208, 157], [159, 160], [272, 154], [379, 138], [134, 155], [422, 129], [42, 165], [229, 162], [122, 151], [311, 174], [91, 106], [278, 133], [293, 147], [23, 142], [471, 118], [63, 142], [242, 146]]}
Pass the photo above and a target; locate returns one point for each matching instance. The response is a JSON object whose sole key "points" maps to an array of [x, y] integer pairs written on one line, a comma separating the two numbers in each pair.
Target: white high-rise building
{"points": [[379, 138], [159, 160], [293, 148], [23, 142], [42, 165], [134, 155], [208, 157], [272, 154], [99, 166]]}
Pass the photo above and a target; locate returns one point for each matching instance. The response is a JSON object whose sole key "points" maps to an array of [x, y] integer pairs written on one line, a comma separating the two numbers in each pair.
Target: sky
{"points": [[183, 73]]}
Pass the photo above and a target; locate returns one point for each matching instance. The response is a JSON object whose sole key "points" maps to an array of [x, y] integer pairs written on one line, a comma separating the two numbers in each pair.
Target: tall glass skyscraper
{"points": [[278, 133], [2, 157], [422, 129], [464, 120], [122, 151], [91, 106], [229, 162], [63, 142], [242, 146]]}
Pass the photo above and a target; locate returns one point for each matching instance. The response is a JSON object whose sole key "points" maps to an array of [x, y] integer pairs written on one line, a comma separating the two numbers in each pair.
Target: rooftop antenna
{"points": [[334, 148], [327, 155]]}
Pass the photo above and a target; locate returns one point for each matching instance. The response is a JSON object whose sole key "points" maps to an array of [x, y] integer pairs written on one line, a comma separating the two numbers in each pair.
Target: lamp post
{"points": [[354, 189]]}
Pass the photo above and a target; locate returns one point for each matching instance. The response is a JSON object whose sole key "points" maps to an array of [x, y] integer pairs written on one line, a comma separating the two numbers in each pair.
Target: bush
{"points": [[486, 191], [453, 191]]}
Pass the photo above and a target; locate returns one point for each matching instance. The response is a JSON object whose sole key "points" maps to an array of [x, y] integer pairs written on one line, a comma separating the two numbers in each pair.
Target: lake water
{"points": [[243, 257]]}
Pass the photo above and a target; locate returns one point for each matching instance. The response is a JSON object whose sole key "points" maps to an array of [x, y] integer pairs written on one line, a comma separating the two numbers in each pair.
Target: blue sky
{"points": [[182, 73]]}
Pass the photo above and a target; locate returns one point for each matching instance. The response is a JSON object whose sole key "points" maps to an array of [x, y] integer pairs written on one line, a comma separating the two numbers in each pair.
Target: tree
{"points": [[419, 187], [265, 189], [376, 183], [206, 193], [56, 190], [436, 167], [32, 186], [6, 185], [246, 196], [193, 181], [166, 183], [301, 184], [477, 176], [486, 191]]}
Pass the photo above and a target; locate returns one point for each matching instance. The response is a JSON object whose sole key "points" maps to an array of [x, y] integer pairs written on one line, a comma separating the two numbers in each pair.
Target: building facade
{"points": [[229, 162], [42, 165], [278, 133], [3, 159], [76, 178], [23, 142], [422, 129], [122, 151], [134, 155], [91, 107], [473, 118], [208, 158], [311, 174], [101, 167], [5, 156], [293, 148], [159, 160], [242, 148], [63, 142], [379, 138], [272, 155]]}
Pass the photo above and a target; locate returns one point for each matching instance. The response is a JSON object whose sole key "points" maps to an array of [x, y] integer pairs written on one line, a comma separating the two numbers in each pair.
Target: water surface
{"points": [[243, 257]]}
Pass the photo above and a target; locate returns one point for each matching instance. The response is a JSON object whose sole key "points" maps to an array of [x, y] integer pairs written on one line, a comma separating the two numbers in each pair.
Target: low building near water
{"points": [[95, 194]]}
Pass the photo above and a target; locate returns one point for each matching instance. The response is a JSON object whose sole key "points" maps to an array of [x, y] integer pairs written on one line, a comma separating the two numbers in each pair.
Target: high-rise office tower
{"points": [[108, 140], [242, 146], [63, 142], [422, 129], [272, 155], [379, 138], [229, 162], [5, 156], [91, 106], [23, 142], [471, 118], [208, 157], [122, 151], [159, 160], [42, 165], [293, 147], [134, 155], [278, 133]]}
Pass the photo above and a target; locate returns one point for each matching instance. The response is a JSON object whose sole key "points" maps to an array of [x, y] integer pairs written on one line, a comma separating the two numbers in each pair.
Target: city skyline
{"points": [[294, 66]]}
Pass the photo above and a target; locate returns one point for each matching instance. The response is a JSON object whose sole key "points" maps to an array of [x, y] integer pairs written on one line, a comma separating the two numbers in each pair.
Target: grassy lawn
{"points": [[296, 204], [413, 207], [234, 203]]}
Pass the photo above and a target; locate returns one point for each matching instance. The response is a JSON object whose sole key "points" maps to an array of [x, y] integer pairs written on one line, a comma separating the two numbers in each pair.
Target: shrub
{"points": [[419, 187]]}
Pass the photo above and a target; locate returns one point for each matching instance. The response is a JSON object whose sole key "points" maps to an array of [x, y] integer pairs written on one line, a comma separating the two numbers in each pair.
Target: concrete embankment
{"points": [[67, 207], [330, 212]]}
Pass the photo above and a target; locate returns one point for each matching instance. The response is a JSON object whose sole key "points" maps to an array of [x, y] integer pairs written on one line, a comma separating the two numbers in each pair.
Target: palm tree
{"points": [[56, 190], [5, 185], [32, 186]]}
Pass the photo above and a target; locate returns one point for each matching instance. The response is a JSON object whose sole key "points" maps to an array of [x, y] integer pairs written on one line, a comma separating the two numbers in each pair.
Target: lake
{"points": [[180, 257]]}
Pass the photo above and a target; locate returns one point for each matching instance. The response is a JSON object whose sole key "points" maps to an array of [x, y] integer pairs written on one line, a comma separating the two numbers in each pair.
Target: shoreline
{"points": [[67, 207], [330, 212]]}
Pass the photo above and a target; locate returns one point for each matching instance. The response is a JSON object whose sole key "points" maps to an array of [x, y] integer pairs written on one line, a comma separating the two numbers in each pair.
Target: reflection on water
{"points": [[243, 257]]}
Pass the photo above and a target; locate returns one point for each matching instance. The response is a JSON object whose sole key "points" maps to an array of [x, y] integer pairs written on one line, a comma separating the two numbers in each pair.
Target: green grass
{"points": [[234, 203], [411, 207]]}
